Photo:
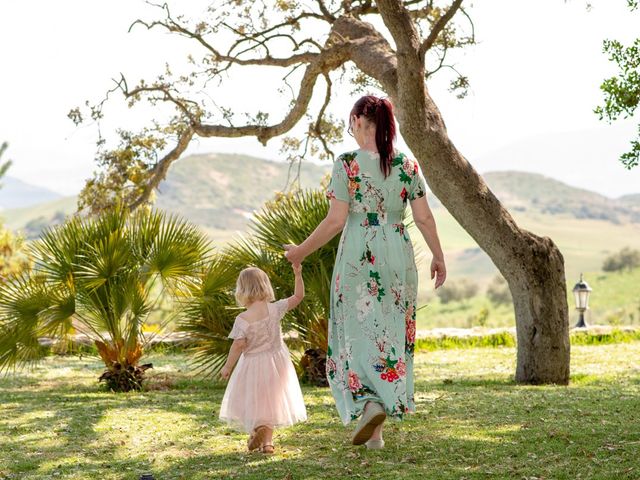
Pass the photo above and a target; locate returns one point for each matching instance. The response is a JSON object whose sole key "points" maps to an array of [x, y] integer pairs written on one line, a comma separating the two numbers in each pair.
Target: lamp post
{"points": [[581, 293]]}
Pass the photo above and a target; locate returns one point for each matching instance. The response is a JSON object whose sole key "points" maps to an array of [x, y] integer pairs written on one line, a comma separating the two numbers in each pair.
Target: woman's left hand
{"points": [[439, 271], [293, 253]]}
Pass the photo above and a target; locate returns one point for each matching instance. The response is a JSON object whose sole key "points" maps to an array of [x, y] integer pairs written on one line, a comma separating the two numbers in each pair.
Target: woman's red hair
{"points": [[379, 111]]}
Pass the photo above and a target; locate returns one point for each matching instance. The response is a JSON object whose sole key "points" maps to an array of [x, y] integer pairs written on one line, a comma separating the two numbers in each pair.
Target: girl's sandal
{"points": [[256, 439], [267, 449]]}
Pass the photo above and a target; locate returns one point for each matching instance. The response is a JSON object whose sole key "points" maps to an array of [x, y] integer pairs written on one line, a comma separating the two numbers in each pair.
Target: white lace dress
{"points": [[263, 388]]}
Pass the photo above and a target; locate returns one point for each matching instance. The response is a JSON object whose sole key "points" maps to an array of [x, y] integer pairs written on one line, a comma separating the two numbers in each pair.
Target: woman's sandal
{"points": [[267, 449], [375, 444], [371, 418], [256, 439]]}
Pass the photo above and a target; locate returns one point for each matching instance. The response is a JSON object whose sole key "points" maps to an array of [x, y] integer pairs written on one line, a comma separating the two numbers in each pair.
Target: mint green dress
{"points": [[372, 323]]}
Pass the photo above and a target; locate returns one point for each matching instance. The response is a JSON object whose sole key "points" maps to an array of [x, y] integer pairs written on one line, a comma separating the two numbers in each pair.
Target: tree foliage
{"points": [[498, 291], [625, 259], [622, 92], [459, 291]]}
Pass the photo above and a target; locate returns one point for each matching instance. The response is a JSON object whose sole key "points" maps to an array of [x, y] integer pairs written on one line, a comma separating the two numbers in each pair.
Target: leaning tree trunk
{"points": [[533, 266]]}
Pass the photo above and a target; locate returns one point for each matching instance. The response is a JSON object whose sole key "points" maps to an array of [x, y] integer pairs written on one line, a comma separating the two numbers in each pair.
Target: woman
{"points": [[375, 281]]}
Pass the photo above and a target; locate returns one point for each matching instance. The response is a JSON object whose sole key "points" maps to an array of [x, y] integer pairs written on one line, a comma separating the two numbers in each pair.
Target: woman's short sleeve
{"points": [[418, 186], [282, 307], [239, 329], [339, 184]]}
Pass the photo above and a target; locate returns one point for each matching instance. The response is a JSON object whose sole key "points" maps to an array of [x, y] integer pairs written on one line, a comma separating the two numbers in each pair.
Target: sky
{"points": [[535, 77]]}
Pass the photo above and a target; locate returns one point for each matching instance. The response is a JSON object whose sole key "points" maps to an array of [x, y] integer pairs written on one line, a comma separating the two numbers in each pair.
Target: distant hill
{"points": [[219, 192], [15, 193], [33, 219], [586, 158], [523, 191], [632, 200]]}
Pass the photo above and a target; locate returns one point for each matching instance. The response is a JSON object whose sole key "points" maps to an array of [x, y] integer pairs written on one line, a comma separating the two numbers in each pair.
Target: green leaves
{"points": [[622, 92], [96, 276]]}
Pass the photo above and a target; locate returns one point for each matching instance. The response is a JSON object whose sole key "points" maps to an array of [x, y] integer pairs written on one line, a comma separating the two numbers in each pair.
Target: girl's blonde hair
{"points": [[253, 285]]}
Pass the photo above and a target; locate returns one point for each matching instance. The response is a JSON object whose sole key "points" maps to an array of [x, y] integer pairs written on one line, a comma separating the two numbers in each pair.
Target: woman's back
{"points": [[358, 179]]}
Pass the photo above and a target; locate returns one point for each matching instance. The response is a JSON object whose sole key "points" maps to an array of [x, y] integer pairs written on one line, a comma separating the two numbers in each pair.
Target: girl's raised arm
{"points": [[298, 291]]}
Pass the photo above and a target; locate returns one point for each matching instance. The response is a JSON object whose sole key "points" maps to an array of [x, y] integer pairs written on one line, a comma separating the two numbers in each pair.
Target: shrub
{"points": [[100, 277], [457, 292], [498, 291], [626, 258]]}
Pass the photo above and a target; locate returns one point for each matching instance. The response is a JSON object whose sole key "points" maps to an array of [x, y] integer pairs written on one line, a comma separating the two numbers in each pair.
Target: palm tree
{"points": [[289, 218], [100, 277]]}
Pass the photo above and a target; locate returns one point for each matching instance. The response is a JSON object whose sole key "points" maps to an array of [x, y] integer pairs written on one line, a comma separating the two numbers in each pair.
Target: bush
{"points": [[498, 291], [457, 292], [101, 277], [626, 258], [482, 317]]}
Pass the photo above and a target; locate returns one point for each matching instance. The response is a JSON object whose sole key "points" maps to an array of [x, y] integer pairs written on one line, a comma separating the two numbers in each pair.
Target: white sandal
{"points": [[375, 444], [370, 419]]}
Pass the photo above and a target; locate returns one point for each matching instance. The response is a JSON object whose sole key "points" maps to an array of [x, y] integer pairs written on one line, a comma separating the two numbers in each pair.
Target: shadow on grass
{"points": [[469, 427]]}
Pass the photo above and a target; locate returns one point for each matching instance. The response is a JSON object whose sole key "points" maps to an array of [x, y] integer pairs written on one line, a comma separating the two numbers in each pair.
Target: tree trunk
{"points": [[533, 266]]}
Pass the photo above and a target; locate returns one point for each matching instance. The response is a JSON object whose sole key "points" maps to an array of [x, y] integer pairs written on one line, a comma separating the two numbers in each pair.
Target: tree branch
{"points": [[160, 170], [438, 27], [397, 19], [328, 60], [218, 56], [318, 125], [325, 11]]}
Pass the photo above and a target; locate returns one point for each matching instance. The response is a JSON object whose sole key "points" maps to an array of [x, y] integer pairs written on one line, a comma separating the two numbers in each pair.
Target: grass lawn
{"points": [[472, 422]]}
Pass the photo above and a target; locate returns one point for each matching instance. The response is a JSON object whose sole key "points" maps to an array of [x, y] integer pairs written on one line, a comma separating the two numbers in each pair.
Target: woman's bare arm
{"points": [[328, 228], [425, 222]]}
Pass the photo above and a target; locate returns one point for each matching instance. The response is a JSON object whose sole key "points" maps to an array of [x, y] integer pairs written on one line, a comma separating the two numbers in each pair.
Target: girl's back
{"points": [[262, 333]]}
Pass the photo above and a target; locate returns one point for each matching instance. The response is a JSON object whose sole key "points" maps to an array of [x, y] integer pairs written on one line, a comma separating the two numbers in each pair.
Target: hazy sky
{"points": [[535, 75]]}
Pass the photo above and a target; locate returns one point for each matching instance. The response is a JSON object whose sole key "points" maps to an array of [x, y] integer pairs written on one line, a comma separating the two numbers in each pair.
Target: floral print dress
{"points": [[372, 323]]}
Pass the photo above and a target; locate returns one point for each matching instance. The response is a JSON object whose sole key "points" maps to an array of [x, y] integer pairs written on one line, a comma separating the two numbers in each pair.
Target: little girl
{"points": [[263, 392]]}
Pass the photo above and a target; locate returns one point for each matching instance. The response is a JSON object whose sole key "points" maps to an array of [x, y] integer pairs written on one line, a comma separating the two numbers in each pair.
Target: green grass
{"points": [[507, 339], [472, 422], [502, 339]]}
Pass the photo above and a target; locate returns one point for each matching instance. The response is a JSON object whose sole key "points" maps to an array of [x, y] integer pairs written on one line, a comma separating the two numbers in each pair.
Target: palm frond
{"points": [[208, 313], [22, 300]]}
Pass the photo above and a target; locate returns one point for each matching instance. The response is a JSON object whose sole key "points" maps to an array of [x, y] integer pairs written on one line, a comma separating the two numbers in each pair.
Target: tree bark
{"points": [[533, 266]]}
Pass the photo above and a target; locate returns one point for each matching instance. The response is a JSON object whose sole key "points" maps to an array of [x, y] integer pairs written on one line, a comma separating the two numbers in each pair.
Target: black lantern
{"points": [[581, 292]]}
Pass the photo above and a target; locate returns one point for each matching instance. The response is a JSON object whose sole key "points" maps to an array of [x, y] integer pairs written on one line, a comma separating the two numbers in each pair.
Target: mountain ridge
{"points": [[220, 192]]}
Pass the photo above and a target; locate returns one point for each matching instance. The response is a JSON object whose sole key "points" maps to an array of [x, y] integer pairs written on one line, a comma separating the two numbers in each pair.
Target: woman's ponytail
{"points": [[385, 134], [379, 111]]}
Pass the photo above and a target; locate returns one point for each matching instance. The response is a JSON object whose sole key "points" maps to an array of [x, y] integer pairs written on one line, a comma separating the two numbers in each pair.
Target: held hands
{"points": [[293, 254], [297, 269], [439, 271]]}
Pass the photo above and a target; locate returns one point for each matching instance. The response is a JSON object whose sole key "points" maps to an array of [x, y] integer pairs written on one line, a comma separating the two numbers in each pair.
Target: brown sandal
{"points": [[256, 439], [267, 449]]}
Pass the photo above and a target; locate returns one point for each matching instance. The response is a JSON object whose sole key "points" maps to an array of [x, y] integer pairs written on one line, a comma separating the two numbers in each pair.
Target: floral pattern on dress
{"points": [[374, 285]]}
